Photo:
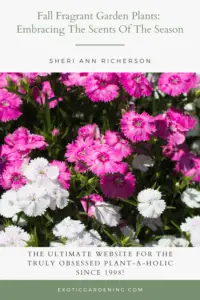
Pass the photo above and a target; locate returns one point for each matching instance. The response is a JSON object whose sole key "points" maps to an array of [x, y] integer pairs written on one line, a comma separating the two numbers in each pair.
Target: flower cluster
{"points": [[99, 159]]}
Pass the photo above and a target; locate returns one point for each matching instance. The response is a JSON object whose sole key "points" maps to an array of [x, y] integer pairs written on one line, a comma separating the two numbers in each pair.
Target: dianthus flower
{"points": [[40, 96], [191, 198], [64, 174], [174, 152], [13, 77], [77, 151], [12, 177], [137, 127], [178, 124], [118, 185], [102, 87], [10, 106], [107, 213], [136, 84], [189, 165], [89, 131], [115, 140], [13, 236], [74, 79], [103, 159], [175, 84], [8, 156], [88, 203], [31, 77], [23, 141], [150, 203]]}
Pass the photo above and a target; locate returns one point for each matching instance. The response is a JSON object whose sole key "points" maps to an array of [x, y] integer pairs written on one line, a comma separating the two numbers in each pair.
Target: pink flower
{"points": [[115, 140], [40, 96], [89, 131], [88, 203], [103, 159], [10, 106], [12, 177], [76, 151], [192, 80], [55, 132], [81, 166], [102, 87], [136, 84], [8, 155], [31, 77], [64, 174], [118, 185], [178, 125], [161, 123], [137, 127], [189, 165], [14, 77], [74, 79], [175, 84], [23, 141], [175, 151]]}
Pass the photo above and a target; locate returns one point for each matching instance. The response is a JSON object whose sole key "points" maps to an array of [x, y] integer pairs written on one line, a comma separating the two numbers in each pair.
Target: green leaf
{"points": [[175, 225], [47, 116], [110, 236], [49, 218]]}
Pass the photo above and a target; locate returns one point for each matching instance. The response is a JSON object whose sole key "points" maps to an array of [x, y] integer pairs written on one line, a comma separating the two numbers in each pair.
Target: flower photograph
{"points": [[99, 160]]}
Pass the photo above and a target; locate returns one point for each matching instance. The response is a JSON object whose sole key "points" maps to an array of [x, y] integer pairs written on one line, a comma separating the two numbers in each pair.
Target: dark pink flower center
{"points": [[137, 123], [119, 180], [82, 152], [2, 159], [137, 78], [103, 83], [16, 177], [4, 103], [175, 80], [103, 157]]}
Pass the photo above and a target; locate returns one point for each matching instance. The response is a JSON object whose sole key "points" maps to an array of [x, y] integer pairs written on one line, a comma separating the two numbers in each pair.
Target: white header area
{"points": [[101, 35], [99, 263]]}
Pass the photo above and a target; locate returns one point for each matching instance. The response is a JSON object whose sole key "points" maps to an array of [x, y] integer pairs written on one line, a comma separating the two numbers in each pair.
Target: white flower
{"points": [[189, 107], [39, 168], [150, 203], [86, 239], [59, 197], [33, 200], [195, 237], [191, 224], [153, 224], [68, 228], [142, 162], [191, 198], [172, 241], [96, 239], [13, 236], [8, 204], [56, 244], [107, 213]]}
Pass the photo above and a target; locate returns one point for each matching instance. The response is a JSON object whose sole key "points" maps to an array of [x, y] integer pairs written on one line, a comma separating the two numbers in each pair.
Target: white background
{"points": [[14, 266], [168, 52]]}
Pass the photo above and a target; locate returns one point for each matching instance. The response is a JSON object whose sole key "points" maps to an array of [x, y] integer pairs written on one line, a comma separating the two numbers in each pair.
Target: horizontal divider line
{"points": [[117, 45]]}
